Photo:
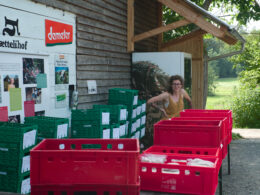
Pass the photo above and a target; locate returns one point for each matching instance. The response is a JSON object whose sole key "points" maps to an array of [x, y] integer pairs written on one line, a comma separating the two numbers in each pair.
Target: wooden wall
{"points": [[146, 18], [102, 43], [193, 46]]}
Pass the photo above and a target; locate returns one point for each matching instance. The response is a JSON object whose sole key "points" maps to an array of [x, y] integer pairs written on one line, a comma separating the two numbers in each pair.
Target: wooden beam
{"points": [[228, 38], [161, 29], [130, 25], [187, 12], [160, 23], [183, 38]]}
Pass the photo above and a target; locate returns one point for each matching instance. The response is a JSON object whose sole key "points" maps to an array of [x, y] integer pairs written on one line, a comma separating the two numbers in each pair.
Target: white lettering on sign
{"points": [[58, 35]]}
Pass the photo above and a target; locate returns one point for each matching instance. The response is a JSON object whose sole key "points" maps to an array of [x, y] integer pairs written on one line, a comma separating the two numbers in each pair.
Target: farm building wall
{"points": [[101, 48]]}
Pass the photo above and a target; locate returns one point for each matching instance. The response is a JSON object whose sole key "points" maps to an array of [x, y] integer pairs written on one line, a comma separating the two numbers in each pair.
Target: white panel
{"points": [[31, 25], [170, 62]]}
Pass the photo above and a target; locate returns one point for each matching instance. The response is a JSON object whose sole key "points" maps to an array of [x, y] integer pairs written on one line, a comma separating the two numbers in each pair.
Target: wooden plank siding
{"points": [[193, 46], [101, 40]]}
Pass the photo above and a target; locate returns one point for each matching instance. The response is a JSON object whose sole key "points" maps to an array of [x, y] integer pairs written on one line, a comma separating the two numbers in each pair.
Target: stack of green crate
{"points": [[90, 123], [50, 127], [129, 98], [16, 141], [142, 117], [118, 117]]}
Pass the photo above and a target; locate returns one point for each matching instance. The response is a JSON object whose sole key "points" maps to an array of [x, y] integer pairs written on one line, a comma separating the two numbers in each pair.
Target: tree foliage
{"points": [[245, 10], [246, 104]]}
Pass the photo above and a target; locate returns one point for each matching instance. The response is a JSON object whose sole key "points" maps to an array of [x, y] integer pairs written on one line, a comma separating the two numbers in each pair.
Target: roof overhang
{"points": [[191, 13]]}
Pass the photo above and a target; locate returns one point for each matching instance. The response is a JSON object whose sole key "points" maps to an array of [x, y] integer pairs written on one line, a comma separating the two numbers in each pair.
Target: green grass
{"points": [[223, 94]]}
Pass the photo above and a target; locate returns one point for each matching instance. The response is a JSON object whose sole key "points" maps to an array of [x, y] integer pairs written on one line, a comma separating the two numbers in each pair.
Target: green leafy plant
{"points": [[246, 108]]}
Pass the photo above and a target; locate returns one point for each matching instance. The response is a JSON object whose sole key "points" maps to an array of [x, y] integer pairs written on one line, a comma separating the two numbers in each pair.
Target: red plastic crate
{"points": [[85, 161], [171, 150], [182, 178], [224, 128], [211, 113], [168, 134], [85, 189], [4, 114]]}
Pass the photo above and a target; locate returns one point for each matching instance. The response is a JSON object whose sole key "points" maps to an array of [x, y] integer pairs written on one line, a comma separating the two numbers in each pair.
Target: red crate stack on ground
{"points": [[197, 136], [85, 165], [212, 113]]}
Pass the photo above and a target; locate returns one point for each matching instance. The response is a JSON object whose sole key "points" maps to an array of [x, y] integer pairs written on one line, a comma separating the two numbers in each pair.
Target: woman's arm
{"points": [[162, 97], [187, 97], [158, 98]]}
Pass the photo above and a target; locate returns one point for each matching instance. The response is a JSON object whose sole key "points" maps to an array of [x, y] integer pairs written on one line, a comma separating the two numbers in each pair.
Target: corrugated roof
{"points": [[209, 15]]}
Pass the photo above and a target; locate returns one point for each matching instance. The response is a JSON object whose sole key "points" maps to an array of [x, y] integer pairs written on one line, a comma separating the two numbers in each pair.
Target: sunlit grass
{"points": [[223, 94]]}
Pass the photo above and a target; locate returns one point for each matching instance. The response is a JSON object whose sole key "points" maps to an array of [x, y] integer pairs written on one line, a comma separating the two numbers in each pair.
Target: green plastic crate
{"points": [[123, 96], [12, 181], [23, 135], [50, 127], [143, 105], [142, 131], [89, 131], [98, 117], [13, 157], [118, 113], [143, 119]]}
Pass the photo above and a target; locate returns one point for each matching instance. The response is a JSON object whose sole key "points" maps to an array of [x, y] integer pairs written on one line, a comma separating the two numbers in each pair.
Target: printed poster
{"points": [[15, 95], [41, 80], [61, 75], [33, 94], [92, 87], [61, 100], [31, 68], [10, 81]]}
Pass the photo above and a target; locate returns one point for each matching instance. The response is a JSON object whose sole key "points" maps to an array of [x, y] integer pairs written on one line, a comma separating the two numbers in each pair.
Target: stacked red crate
{"points": [[85, 165], [187, 137]]}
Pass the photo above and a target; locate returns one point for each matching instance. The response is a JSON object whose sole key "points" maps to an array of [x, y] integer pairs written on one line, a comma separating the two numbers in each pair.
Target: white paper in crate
{"points": [[105, 118], [153, 158], [122, 130], [143, 107], [26, 164], [135, 100], [25, 186], [116, 133], [62, 131], [142, 132], [106, 134], [29, 139], [123, 114]]}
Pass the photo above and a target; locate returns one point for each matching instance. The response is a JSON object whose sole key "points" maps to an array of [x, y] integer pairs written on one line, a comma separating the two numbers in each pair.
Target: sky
{"points": [[218, 12]]}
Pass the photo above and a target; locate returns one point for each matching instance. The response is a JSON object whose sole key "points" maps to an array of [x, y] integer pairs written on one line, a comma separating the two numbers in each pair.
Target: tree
{"points": [[249, 61], [246, 104], [246, 10]]}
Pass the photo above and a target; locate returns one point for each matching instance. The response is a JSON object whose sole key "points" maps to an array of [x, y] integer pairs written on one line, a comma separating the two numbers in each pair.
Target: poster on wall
{"points": [[61, 75], [61, 100], [14, 119], [0, 90], [31, 68], [10, 81], [15, 95], [92, 87], [33, 94]]}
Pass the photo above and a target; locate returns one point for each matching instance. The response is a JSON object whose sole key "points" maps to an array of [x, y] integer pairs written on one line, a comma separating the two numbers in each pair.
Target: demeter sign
{"points": [[57, 33]]}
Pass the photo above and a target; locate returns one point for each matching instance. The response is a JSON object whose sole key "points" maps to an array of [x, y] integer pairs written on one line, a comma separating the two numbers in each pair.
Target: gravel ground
{"points": [[245, 169]]}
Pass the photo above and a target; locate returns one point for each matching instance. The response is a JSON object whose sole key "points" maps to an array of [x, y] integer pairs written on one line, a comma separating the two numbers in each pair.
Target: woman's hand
{"points": [[164, 112]]}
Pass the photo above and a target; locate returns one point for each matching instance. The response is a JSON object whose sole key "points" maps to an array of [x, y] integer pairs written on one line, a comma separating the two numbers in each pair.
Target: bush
{"points": [[246, 108]]}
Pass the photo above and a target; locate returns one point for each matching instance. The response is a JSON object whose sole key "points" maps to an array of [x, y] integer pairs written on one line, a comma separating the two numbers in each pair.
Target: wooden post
{"points": [[130, 25]]}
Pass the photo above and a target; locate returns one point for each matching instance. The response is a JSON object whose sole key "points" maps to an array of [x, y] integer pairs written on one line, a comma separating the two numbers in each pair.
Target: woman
{"points": [[172, 99]]}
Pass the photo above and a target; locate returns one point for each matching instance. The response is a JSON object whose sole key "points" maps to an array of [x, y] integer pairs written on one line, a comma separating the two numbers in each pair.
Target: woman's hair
{"points": [[173, 78]]}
